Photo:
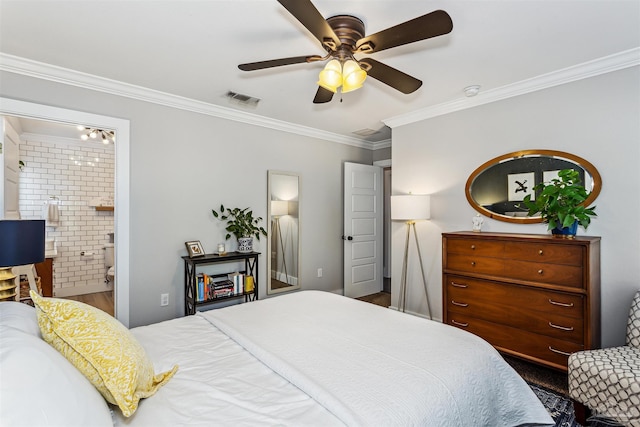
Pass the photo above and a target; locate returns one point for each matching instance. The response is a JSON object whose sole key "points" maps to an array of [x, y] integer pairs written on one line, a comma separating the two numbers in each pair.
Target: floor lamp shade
{"points": [[21, 242], [410, 207], [279, 208]]}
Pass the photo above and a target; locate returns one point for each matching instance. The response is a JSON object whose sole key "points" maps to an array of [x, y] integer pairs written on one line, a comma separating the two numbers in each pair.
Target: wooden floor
{"points": [[102, 300]]}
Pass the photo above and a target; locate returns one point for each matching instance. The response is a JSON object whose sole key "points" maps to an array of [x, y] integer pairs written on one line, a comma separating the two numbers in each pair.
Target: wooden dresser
{"points": [[533, 296]]}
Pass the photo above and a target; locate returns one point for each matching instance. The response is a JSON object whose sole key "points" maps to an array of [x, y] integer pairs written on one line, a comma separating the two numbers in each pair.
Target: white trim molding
{"points": [[607, 64]]}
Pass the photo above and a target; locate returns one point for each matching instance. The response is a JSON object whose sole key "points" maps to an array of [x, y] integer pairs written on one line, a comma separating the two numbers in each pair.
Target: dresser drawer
{"points": [[544, 252], [514, 296], [476, 247], [507, 305], [475, 264], [566, 275], [525, 344]]}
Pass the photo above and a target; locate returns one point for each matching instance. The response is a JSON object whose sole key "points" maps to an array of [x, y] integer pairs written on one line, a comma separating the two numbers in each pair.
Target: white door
{"points": [[363, 239], [9, 176]]}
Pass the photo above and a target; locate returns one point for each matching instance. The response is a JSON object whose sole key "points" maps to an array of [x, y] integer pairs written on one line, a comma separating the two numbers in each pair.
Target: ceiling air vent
{"points": [[245, 100]]}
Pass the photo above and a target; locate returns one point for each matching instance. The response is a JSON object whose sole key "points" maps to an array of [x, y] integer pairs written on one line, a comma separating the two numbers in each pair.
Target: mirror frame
{"points": [[270, 290], [584, 164]]}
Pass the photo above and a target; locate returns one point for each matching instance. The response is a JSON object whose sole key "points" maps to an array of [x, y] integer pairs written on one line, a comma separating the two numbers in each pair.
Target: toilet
{"points": [[109, 262]]}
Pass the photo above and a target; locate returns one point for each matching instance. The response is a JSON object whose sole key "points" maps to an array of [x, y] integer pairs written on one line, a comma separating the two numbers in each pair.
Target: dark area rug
{"points": [[561, 409]]}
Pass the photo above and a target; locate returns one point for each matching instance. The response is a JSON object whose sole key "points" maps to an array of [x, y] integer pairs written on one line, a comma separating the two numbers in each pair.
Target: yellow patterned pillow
{"points": [[102, 349]]}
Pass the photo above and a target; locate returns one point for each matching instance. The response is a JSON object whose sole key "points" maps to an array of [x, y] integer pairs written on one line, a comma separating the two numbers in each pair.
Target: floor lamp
{"points": [[280, 208], [22, 243], [411, 208]]}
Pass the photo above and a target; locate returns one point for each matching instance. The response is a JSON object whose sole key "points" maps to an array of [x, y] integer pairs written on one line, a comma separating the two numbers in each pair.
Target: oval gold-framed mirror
{"points": [[497, 187]]}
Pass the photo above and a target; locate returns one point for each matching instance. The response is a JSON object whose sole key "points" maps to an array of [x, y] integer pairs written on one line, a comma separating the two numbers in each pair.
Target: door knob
{"points": [[347, 237]]}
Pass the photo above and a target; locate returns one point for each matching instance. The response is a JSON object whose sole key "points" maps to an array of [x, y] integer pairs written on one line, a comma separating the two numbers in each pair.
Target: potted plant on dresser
{"points": [[242, 224], [561, 204]]}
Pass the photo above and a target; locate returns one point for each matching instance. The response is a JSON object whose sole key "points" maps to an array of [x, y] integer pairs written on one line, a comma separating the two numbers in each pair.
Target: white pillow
{"points": [[39, 387], [20, 316]]}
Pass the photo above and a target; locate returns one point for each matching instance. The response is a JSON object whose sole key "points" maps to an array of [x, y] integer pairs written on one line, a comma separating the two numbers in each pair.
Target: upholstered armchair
{"points": [[607, 381]]}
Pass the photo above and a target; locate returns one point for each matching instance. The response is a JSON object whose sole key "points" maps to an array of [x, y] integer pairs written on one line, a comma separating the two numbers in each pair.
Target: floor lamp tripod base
{"points": [[405, 263], [284, 261]]}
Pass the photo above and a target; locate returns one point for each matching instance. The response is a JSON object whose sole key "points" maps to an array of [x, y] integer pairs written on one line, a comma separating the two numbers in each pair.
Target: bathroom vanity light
{"points": [[105, 135]]}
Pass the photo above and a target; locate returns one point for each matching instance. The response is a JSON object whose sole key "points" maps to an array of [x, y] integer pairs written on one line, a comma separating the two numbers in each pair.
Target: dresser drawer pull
{"points": [[473, 247], [564, 353], [564, 328], [540, 271], [562, 304], [540, 252], [459, 304], [473, 263], [459, 285], [464, 325]]}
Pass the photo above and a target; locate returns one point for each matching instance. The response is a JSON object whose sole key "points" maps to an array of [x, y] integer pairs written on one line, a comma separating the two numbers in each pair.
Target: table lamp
{"points": [[21, 243]]}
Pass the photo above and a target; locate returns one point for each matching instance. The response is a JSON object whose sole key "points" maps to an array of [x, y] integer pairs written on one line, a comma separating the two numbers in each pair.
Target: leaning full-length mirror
{"points": [[283, 243]]}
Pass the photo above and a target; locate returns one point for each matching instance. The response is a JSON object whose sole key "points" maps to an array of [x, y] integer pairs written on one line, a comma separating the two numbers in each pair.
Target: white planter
{"points": [[245, 244]]}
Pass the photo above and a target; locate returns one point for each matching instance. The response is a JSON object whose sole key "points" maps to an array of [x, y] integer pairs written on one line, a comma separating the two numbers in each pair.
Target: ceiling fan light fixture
{"points": [[331, 76], [352, 76]]}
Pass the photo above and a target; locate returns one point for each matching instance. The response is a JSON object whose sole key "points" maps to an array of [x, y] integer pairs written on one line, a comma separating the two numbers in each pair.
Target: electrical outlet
{"points": [[319, 272], [164, 300]]}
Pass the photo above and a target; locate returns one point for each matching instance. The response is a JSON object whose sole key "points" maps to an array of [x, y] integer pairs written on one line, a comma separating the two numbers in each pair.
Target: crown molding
{"points": [[607, 64], [40, 70], [27, 67]]}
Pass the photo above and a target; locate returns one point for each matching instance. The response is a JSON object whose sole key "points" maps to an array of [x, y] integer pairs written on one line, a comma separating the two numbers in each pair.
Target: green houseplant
{"points": [[242, 224], [561, 203]]}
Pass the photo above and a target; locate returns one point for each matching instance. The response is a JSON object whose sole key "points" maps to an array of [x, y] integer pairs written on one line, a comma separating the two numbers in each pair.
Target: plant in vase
{"points": [[242, 224], [561, 203]]}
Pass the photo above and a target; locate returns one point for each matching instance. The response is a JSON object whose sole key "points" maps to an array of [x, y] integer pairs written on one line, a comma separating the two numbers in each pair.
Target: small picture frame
{"points": [[194, 248]]}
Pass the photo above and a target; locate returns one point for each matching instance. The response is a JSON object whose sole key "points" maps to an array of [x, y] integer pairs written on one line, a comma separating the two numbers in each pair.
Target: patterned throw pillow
{"points": [[102, 349]]}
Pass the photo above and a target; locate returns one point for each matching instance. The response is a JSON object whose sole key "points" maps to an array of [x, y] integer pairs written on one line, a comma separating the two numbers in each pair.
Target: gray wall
{"points": [[597, 119], [183, 164]]}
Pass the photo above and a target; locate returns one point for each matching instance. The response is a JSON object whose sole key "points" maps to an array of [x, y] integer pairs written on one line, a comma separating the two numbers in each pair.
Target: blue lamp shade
{"points": [[21, 242]]}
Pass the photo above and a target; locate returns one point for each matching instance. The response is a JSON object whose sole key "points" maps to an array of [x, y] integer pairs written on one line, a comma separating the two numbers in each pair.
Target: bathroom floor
{"points": [[102, 300]]}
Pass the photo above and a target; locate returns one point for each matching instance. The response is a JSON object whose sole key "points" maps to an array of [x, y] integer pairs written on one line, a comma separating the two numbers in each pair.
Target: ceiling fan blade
{"points": [[322, 95], [252, 66], [305, 12], [424, 27], [390, 76]]}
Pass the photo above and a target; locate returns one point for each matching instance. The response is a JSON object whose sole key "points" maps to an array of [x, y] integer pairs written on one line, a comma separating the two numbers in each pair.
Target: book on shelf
{"points": [[211, 287], [238, 282], [200, 288], [249, 283], [206, 286]]}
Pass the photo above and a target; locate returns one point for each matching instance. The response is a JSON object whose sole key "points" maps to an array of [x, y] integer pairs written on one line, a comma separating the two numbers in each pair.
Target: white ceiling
{"points": [[192, 48]]}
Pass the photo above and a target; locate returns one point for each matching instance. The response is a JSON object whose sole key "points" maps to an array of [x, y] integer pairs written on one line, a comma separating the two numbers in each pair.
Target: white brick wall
{"points": [[76, 173]]}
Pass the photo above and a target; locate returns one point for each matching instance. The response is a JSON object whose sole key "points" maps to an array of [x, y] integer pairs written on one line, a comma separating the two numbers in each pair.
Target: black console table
{"points": [[191, 277]]}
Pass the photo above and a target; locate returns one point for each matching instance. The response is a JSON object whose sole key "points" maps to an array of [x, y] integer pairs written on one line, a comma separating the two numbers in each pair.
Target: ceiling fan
{"points": [[343, 36]]}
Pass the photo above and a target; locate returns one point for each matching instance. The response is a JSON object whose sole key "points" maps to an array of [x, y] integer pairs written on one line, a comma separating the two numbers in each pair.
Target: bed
{"points": [[303, 359]]}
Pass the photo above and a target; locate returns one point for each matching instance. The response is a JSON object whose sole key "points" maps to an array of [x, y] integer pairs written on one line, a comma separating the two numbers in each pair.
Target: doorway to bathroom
{"points": [[70, 183], [17, 108]]}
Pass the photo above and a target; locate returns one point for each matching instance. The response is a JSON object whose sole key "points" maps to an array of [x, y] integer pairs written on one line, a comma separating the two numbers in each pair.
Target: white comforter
{"points": [[314, 358]]}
